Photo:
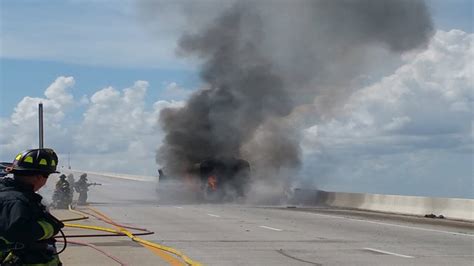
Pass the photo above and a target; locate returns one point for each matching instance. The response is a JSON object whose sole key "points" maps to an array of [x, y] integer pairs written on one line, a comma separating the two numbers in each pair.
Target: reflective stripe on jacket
{"points": [[23, 219]]}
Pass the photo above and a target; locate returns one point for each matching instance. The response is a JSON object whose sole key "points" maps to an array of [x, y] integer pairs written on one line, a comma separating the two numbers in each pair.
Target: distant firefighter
{"points": [[71, 181], [82, 187], [161, 175], [62, 196]]}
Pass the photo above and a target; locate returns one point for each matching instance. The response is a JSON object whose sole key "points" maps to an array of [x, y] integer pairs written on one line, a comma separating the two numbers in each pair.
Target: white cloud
{"points": [[430, 95], [113, 118], [117, 132], [57, 91], [175, 91], [20, 131], [57, 100], [421, 112]]}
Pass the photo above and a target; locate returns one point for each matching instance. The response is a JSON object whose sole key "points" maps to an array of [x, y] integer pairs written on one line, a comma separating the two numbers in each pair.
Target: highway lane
{"points": [[217, 234]]}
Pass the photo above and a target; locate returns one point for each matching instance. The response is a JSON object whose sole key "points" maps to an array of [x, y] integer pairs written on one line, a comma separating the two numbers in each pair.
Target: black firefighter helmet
{"points": [[83, 177], [43, 161]]}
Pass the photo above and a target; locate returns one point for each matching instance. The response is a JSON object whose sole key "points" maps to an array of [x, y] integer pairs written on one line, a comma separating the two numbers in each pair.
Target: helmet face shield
{"points": [[43, 161]]}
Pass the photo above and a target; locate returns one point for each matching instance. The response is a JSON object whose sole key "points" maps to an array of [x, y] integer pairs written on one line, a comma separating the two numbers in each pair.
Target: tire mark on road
{"points": [[297, 259]]}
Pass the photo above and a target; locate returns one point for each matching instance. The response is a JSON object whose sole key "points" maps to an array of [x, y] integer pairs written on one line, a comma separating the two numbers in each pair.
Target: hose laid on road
{"points": [[176, 252], [74, 219], [97, 228], [172, 260], [106, 219], [105, 235], [98, 249], [82, 216], [163, 254], [100, 228], [122, 231]]}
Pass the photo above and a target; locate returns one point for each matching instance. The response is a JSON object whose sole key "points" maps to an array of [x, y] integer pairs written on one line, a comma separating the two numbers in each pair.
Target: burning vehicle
{"points": [[223, 179], [214, 180]]}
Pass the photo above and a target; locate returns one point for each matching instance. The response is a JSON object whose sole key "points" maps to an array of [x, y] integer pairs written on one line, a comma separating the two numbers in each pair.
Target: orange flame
{"points": [[212, 182]]}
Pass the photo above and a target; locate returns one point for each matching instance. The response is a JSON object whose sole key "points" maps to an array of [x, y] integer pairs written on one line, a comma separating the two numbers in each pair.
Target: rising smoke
{"points": [[263, 61]]}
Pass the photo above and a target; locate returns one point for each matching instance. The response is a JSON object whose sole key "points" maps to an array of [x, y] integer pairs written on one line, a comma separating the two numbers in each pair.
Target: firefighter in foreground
{"points": [[26, 227], [82, 187], [62, 196]]}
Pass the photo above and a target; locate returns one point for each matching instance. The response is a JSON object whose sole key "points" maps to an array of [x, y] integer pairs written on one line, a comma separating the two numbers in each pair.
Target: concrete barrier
{"points": [[453, 208]]}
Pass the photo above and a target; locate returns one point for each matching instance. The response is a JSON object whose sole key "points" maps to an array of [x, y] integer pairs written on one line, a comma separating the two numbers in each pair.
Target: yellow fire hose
{"points": [[78, 213], [83, 217], [176, 252], [96, 228], [122, 230]]}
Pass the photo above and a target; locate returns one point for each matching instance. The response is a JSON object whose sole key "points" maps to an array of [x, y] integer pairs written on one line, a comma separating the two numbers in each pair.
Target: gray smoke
{"points": [[263, 60]]}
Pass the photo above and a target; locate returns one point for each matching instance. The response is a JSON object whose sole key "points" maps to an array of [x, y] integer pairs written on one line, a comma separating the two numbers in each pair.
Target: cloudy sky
{"points": [[105, 69]]}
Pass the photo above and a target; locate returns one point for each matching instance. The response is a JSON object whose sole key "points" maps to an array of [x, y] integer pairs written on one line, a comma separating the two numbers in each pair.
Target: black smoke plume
{"points": [[262, 60]]}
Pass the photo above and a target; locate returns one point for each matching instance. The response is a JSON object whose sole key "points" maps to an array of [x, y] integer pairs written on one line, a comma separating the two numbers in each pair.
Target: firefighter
{"points": [[26, 227], [62, 196], [71, 181], [82, 187]]}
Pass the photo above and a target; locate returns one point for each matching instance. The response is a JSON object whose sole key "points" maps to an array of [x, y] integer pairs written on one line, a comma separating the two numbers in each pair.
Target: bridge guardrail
{"points": [[452, 208]]}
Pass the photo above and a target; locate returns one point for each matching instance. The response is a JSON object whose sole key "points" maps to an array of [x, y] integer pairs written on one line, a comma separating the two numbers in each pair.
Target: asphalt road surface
{"points": [[229, 234]]}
